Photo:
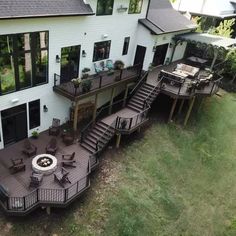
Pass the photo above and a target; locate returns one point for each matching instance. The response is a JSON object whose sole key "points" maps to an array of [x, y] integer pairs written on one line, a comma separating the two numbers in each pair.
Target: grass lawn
{"points": [[170, 181]]}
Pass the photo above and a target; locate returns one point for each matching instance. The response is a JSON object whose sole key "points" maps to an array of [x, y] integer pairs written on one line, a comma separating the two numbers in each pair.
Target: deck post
{"points": [[189, 111], [48, 210], [95, 107], [118, 138], [181, 107], [76, 116], [126, 95], [172, 109], [214, 59], [111, 100]]}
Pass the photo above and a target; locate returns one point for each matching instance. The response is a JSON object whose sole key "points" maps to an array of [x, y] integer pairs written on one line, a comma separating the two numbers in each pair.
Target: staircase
{"points": [[98, 137], [146, 92]]}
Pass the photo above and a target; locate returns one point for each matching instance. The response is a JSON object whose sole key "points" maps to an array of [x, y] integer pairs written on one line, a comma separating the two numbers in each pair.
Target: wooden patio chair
{"points": [[17, 165], [68, 138], [35, 179], [68, 160], [51, 148], [29, 149], [62, 177], [55, 128]]}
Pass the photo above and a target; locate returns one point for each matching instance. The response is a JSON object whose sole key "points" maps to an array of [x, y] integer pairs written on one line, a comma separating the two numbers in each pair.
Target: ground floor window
{"points": [[23, 61], [101, 50], [34, 114]]}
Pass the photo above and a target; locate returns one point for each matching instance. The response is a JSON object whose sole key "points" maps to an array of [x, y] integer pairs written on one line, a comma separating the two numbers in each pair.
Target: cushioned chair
{"points": [[29, 149], [17, 165], [51, 148], [68, 138], [97, 68], [109, 65], [55, 128]]}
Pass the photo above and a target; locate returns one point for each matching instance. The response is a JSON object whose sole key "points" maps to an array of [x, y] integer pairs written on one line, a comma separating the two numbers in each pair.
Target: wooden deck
{"points": [[180, 91], [50, 191], [100, 82]]}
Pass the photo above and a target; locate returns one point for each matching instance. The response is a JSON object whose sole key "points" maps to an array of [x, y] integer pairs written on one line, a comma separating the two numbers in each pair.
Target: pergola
{"points": [[218, 43]]}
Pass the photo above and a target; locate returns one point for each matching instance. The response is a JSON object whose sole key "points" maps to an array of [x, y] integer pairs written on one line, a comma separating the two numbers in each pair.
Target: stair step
{"points": [[146, 90], [103, 133], [89, 143], [149, 86], [133, 103], [140, 102], [105, 126], [134, 108], [141, 96], [91, 139], [85, 146]]}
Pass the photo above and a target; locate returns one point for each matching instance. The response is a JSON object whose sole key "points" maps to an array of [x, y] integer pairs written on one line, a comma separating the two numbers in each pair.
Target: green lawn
{"points": [[171, 181]]}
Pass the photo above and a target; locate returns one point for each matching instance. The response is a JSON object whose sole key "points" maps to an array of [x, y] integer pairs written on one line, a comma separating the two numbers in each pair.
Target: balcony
{"points": [[99, 82]]}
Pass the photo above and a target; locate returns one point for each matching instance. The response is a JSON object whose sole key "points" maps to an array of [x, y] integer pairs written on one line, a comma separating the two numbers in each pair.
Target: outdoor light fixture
{"points": [[84, 54], [170, 45], [58, 59], [154, 48], [45, 109], [104, 36]]}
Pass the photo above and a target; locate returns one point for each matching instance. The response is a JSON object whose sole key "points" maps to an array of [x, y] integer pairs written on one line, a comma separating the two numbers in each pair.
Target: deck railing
{"points": [[44, 196], [98, 81]]}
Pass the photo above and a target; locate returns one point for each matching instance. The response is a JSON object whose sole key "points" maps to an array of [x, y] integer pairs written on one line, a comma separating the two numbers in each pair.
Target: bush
{"points": [[119, 65], [86, 85]]}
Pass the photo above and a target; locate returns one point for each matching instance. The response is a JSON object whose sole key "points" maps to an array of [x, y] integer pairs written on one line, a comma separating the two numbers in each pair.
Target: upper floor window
{"points": [[23, 61], [101, 50], [104, 7], [126, 46], [135, 6]]}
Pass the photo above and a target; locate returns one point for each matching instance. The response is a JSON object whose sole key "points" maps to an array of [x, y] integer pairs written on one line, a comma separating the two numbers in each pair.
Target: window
{"points": [[101, 50], [34, 114], [135, 6], [104, 7], [126, 46], [23, 61]]}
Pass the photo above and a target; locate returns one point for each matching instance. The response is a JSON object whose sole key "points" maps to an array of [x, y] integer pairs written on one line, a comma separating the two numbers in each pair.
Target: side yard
{"points": [[166, 181]]}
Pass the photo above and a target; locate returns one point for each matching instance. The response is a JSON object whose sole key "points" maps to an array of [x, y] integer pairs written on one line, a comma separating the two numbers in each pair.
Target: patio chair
{"points": [[55, 128], [109, 65], [51, 148], [17, 165], [29, 149], [62, 177], [68, 160], [68, 138], [97, 68], [35, 179], [4, 193]]}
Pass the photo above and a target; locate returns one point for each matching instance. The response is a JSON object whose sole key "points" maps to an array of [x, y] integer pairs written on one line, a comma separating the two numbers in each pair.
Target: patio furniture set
{"points": [[44, 160], [187, 74]]}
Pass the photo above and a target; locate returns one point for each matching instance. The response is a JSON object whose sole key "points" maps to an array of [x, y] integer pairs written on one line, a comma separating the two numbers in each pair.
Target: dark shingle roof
{"points": [[41, 8], [162, 18]]}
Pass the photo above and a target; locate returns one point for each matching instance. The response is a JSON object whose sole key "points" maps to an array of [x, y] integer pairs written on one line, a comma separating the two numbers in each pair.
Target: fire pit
{"points": [[44, 164]]}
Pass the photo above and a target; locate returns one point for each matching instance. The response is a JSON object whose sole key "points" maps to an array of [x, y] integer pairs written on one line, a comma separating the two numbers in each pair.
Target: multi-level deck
{"points": [[93, 139]]}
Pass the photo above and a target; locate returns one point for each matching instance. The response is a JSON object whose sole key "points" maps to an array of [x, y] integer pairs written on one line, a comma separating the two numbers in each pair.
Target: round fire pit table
{"points": [[44, 164]]}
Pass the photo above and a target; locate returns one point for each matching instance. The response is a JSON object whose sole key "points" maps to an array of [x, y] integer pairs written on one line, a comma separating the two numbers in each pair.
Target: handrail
{"points": [[141, 81]]}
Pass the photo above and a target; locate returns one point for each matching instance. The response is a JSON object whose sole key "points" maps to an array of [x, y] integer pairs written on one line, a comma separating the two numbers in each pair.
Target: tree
{"points": [[224, 29], [231, 63]]}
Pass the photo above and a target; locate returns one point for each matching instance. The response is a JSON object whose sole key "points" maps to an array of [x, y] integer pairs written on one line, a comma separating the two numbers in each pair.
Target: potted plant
{"points": [[76, 82], [119, 65], [85, 73], [35, 134], [86, 85]]}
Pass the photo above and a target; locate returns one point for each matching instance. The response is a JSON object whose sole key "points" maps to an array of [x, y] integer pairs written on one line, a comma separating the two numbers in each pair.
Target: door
{"points": [[14, 123], [139, 55], [160, 55], [70, 57]]}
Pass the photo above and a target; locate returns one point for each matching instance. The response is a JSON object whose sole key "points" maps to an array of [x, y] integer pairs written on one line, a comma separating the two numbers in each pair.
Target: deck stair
{"points": [[146, 92], [97, 137]]}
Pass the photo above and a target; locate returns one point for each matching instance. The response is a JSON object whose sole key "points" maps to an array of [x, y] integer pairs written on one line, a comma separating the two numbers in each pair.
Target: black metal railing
{"points": [[98, 81], [47, 196]]}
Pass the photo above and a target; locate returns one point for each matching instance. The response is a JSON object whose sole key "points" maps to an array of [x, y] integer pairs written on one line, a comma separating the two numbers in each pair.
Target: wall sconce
{"points": [[154, 48], [121, 8], [170, 45], [84, 54], [58, 59], [45, 109], [104, 36]]}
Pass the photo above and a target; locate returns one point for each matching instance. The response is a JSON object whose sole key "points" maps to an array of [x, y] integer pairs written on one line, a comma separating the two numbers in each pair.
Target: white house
{"points": [[41, 38]]}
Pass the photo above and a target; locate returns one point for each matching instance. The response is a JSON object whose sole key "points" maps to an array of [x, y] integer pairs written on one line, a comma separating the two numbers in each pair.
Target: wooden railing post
{"points": [[100, 81], [130, 124], [24, 202]]}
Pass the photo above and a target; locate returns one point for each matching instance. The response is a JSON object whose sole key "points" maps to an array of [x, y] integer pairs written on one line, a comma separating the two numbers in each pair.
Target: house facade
{"points": [[64, 37]]}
